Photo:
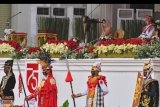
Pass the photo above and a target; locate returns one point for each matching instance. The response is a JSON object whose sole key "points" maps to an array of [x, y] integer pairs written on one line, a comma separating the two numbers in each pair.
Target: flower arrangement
{"points": [[6, 48], [71, 44], [60, 47], [8, 31], [136, 41], [15, 45], [75, 50], [33, 52], [118, 49], [114, 49], [12, 43], [55, 48], [149, 51], [82, 52], [9, 48], [29, 53]]}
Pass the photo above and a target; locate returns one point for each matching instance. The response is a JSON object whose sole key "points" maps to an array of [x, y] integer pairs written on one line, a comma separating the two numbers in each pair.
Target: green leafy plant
{"points": [[58, 26], [78, 30], [149, 51], [65, 104]]}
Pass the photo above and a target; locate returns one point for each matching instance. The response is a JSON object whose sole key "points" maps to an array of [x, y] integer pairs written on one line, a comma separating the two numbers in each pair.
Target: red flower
{"points": [[3, 41], [15, 45], [72, 45], [53, 41], [33, 49], [64, 41], [90, 49], [135, 41]]}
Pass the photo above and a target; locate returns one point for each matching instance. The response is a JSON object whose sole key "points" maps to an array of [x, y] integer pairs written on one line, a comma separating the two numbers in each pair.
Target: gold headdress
{"points": [[96, 66], [147, 66]]}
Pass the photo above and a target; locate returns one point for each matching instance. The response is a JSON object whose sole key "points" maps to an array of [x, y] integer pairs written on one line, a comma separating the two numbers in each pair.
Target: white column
{"points": [[33, 25], [14, 21], [70, 16]]}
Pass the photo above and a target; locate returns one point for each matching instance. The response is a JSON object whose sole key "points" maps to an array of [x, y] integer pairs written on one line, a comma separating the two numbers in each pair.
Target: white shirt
{"points": [[148, 31]]}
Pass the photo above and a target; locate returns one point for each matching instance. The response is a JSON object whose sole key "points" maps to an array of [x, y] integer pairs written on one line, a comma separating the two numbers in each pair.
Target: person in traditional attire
{"points": [[7, 85], [149, 29], [150, 90], [97, 88], [106, 30], [47, 90]]}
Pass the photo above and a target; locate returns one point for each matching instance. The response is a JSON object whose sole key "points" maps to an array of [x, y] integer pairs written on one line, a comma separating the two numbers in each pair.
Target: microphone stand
{"points": [[9, 19], [94, 9], [7, 24], [86, 36]]}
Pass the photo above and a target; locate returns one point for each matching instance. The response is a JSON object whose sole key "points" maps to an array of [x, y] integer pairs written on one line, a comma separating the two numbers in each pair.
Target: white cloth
{"points": [[104, 88], [148, 31]]}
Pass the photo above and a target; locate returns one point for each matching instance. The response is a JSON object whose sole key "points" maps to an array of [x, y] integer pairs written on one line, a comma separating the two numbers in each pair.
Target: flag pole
{"points": [[70, 81], [22, 82]]}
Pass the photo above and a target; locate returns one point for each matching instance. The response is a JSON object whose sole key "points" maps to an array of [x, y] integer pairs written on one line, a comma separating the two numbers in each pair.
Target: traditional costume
{"points": [[96, 88], [150, 91], [7, 85], [47, 90]]}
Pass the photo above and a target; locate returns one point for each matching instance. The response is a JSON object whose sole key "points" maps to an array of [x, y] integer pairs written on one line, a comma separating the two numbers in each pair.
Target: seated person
{"points": [[149, 29], [119, 34], [106, 30]]}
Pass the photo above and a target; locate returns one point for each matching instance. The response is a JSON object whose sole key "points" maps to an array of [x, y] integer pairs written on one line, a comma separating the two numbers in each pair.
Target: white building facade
{"points": [[26, 20]]}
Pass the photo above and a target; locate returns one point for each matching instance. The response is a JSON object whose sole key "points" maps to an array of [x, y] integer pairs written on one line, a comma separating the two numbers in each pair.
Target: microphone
{"points": [[13, 16], [9, 19]]}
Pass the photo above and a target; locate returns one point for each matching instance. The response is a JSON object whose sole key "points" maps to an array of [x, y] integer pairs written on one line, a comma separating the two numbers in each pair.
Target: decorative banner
{"points": [[32, 77], [138, 90]]}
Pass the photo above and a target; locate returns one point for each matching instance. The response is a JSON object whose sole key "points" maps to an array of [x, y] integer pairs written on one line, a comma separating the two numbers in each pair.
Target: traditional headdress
{"points": [[45, 61], [147, 66], [96, 66], [8, 63]]}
